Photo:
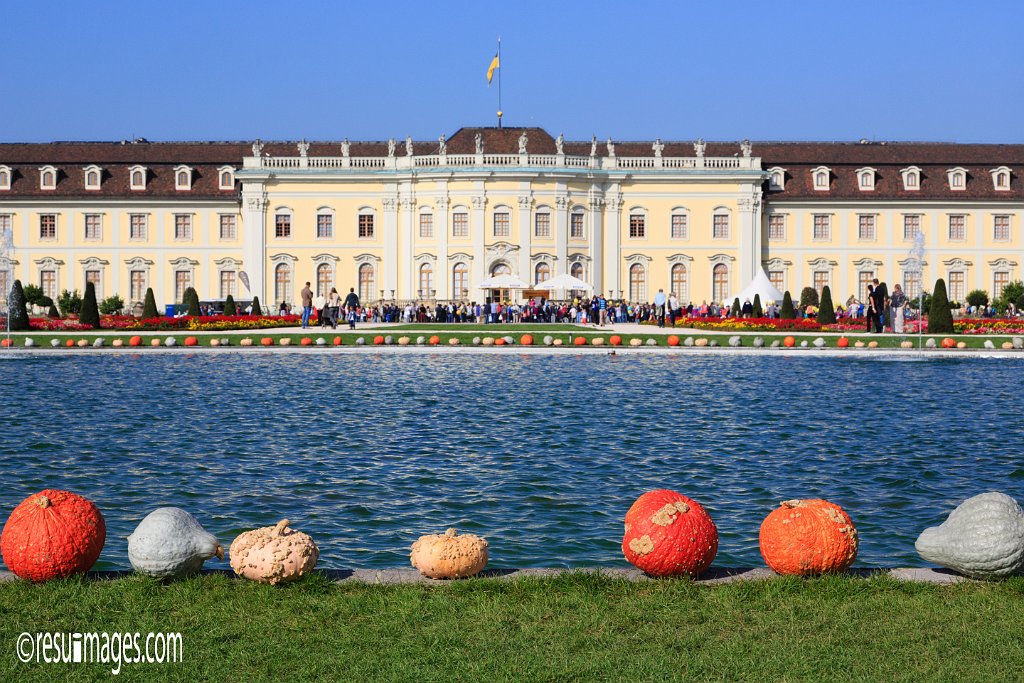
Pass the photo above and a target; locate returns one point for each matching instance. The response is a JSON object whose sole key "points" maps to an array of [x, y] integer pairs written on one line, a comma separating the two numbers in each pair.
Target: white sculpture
{"points": [[391, 147], [344, 147], [559, 144], [611, 148], [522, 143], [408, 145], [479, 141], [593, 145], [442, 145], [303, 148], [658, 147], [257, 148], [698, 147], [745, 147]]}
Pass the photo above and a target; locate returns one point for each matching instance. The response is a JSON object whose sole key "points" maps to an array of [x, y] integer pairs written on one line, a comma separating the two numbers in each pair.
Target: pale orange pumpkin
{"points": [[448, 555], [273, 554], [808, 537]]}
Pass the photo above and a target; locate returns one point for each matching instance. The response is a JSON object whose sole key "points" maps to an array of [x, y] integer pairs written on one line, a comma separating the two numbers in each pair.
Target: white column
{"points": [[478, 219], [561, 231], [613, 257], [390, 265], [408, 211], [595, 272], [254, 241], [525, 231], [441, 235]]}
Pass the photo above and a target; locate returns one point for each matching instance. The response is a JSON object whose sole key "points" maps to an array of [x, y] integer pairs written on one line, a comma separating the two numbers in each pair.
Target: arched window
{"points": [[5, 179], [225, 179], [138, 179], [323, 279], [720, 283], [426, 280], [182, 179], [542, 273], [576, 270], [283, 284], [821, 180], [1003, 180], [367, 283], [777, 178], [92, 179], [637, 284], [500, 269], [679, 284], [49, 181], [460, 281]]}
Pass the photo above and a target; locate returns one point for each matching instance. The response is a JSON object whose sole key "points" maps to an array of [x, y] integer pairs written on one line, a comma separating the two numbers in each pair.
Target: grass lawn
{"points": [[571, 628]]}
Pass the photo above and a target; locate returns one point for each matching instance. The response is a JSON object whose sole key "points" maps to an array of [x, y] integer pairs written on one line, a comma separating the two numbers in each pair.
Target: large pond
{"points": [[543, 455]]}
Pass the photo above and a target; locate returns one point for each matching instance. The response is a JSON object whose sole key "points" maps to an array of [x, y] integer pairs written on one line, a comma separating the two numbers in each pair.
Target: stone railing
{"points": [[437, 161]]}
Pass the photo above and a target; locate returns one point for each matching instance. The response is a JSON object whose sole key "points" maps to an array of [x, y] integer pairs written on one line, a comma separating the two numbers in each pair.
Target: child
{"points": [[351, 317]]}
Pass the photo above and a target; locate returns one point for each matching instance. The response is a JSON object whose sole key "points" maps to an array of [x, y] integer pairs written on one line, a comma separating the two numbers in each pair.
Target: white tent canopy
{"points": [[503, 282], [759, 285], [564, 281]]}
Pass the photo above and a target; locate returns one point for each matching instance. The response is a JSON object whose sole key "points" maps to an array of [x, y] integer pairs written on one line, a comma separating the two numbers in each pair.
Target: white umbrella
{"points": [[564, 281], [503, 282]]}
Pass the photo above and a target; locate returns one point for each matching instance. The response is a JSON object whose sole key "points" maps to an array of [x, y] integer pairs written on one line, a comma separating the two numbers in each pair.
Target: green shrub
{"points": [[826, 311], [46, 302], [735, 312], [89, 314], [925, 301], [52, 312], [808, 297], [787, 312], [112, 305], [940, 320], [35, 297], [18, 308], [758, 311], [149, 308], [229, 306], [191, 300], [1013, 292], [70, 302], [977, 298], [256, 310]]}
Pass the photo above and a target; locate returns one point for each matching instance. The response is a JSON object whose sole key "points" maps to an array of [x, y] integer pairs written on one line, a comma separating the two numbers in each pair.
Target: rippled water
{"points": [[541, 454]]}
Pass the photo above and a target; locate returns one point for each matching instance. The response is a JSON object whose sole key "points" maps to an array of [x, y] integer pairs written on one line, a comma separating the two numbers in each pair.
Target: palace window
{"points": [[576, 225], [367, 284], [576, 270], [542, 225], [460, 224], [777, 178], [637, 283], [93, 175], [227, 284], [137, 226], [96, 278], [911, 226], [637, 226], [282, 284], [227, 177], [5, 178], [720, 226], [182, 226], [1001, 178], [999, 280], [460, 280], [93, 227], [283, 225], [48, 226], [137, 178], [866, 228], [679, 227], [182, 178], [182, 281], [228, 227], [323, 280], [1001, 228], [542, 273], [427, 225], [777, 278], [6, 224], [822, 227], [911, 284], [957, 178], [957, 286], [866, 179], [5, 291], [957, 228], [820, 280], [864, 278], [138, 285], [911, 178], [720, 283], [501, 224], [680, 284], [366, 226], [48, 178], [426, 280], [777, 227], [48, 282], [324, 226], [821, 176]]}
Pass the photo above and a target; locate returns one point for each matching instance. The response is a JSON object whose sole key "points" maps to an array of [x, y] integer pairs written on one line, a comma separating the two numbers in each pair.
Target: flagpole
{"points": [[499, 82]]}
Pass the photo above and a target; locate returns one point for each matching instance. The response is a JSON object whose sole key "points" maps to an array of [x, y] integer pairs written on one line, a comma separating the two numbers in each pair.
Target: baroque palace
{"points": [[429, 220]]}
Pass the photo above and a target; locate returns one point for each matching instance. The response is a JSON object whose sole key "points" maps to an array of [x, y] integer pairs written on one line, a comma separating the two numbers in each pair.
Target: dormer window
{"points": [[821, 177], [47, 178], [1001, 179], [5, 178], [777, 178], [911, 178], [957, 178], [182, 178], [866, 179], [137, 177], [226, 174], [93, 176]]}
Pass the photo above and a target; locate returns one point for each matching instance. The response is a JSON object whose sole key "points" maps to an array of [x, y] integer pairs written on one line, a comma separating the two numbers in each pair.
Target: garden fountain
{"points": [[7, 263], [915, 265]]}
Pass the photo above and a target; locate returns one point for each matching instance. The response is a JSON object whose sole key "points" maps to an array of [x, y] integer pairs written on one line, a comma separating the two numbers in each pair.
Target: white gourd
{"points": [[170, 543], [982, 538]]}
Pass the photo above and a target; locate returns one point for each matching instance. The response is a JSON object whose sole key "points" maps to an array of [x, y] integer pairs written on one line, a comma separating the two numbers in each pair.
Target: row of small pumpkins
{"points": [[57, 533]]}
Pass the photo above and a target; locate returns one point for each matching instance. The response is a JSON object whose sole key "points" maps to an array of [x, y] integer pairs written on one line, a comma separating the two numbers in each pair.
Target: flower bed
{"points": [[988, 326], [745, 324], [202, 323]]}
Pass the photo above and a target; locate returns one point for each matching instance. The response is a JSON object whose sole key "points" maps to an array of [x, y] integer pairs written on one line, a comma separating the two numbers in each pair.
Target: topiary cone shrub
{"points": [[826, 311], [18, 308], [191, 299], [256, 310], [149, 307], [787, 312], [735, 311], [89, 314], [940, 320], [229, 306], [758, 311]]}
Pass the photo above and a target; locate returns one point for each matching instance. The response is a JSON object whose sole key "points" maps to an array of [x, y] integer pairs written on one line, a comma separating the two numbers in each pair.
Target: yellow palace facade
{"points": [[405, 220]]}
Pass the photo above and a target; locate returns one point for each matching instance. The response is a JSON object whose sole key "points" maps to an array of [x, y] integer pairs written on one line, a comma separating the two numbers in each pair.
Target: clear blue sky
{"points": [[773, 69]]}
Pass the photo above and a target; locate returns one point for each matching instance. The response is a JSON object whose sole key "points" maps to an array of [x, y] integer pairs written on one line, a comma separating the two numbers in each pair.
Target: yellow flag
{"points": [[490, 70]]}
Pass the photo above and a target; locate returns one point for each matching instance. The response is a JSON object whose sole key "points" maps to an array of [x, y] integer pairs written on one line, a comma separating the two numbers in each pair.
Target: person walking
{"points": [[673, 307], [333, 306], [351, 304], [897, 309], [307, 305], [878, 303], [659, 306]]}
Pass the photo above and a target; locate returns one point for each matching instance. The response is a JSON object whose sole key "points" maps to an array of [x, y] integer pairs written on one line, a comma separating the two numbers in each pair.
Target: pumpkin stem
{"points": [[450, 533], [795, 503], [281, 527], [43, 502], [220, 552]]}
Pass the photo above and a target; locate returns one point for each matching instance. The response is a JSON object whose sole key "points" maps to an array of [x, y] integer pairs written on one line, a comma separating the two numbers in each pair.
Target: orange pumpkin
{"points": [[808, 537], [580, 341], [449, 555], [615, 340], [378, 340], [53, 534], [337, 341], [499, 341], [789, 341], [948, 343], [135, 341], [673, 340], [668, 534], [69, 343], [191, 341], [526, 340], [435, 340], [306, 341], [843, 342], [267, 341]]}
